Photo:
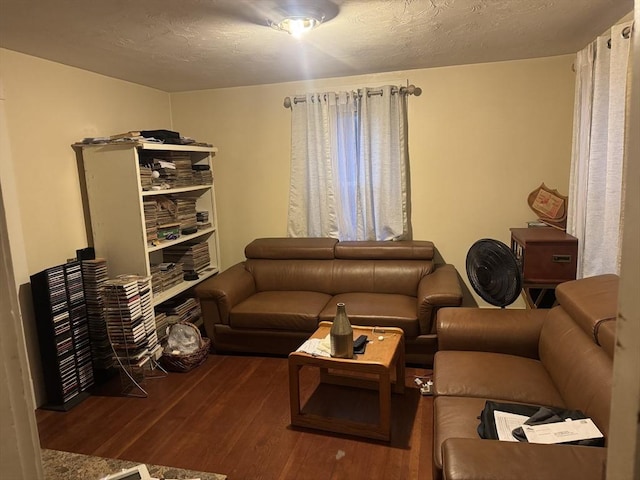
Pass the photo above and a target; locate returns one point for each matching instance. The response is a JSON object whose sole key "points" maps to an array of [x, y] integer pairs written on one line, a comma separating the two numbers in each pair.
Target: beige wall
{"points": [[481, 138], [49, 106]]}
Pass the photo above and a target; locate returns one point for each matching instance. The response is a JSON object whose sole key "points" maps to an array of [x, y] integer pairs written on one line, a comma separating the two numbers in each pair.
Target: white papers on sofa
{"points": [[506, 423], [557, 432], [561, 432]]}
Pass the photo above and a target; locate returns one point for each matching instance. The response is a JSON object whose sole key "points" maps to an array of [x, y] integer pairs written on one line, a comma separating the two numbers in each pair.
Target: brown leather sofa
{"points": [[560, 357], [274, 300]]}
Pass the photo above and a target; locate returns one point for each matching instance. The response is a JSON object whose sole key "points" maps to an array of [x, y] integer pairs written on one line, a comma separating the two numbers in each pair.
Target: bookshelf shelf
{"points": [[182, 239], [183, 286], [169, 191], [175, 148]]}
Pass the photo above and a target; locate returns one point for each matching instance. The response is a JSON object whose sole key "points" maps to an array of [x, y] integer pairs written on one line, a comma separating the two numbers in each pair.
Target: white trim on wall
{"points": [[623, 455]]}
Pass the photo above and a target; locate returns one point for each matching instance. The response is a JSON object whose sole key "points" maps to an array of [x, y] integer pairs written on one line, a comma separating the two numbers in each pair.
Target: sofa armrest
{"points": [[441, 288], [509, 331], [470, 459], [219, 294]]}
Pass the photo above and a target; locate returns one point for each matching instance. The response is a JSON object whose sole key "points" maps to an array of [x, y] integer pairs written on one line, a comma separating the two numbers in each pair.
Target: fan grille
{"points": [[494, 272]]}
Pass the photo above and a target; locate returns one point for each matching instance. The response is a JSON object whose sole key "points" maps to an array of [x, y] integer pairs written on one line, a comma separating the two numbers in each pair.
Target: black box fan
{"points": [[494, 272]]}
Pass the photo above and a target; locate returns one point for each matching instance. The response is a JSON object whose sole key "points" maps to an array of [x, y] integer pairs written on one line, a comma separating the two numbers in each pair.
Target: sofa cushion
{"points": [[379, 276], [506, 330], [590, 301], [291, 248], [291, 275], [580, 369], [376, 309], [454, 417], [466, 459], [401, 250], [279, 310], [502, 377]]}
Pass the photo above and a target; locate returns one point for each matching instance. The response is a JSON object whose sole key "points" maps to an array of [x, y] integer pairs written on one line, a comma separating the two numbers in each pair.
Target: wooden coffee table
{"points": [[377, 363]]}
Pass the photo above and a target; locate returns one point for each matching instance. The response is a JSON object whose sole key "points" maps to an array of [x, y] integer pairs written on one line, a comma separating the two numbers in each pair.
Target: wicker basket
{"points": [[185, 362]]}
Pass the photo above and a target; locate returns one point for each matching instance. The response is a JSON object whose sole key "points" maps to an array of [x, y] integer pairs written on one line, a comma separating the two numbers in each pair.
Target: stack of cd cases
{"points": [[131, 327], [63, 333], [94, 274], [79, 324], [148, 314]]}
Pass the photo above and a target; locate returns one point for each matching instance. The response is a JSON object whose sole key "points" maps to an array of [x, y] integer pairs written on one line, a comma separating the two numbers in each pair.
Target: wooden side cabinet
{"points": [[547, 257]]}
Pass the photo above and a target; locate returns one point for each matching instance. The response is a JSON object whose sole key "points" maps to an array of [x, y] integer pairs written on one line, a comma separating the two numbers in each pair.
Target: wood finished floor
{"points": [[231, 416]]}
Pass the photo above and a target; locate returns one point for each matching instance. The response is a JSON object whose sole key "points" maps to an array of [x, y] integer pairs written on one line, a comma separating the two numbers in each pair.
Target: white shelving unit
{"points": [[115, 200]]}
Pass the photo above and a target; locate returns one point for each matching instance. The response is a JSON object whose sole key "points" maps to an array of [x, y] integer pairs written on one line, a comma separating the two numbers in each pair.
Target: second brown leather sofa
{"points": [[562, 357]]}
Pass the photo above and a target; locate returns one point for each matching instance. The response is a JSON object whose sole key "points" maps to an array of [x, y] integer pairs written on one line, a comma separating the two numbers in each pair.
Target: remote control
{"points": [[359, 342]]}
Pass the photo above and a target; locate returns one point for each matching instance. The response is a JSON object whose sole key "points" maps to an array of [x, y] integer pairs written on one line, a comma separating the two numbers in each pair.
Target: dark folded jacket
{"points": [[537, 415]]}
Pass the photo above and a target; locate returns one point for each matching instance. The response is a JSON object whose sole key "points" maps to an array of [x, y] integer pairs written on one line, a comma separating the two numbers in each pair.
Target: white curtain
{"points": [[596, 184], [349, 166]]}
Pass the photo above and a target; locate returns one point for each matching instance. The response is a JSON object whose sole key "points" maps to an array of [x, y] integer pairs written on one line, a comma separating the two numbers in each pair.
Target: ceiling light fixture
{"points": [[297, 25], [297, 17]]}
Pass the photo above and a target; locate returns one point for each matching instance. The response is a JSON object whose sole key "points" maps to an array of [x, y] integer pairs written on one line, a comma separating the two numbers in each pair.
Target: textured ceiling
{"points": [[180, 45]]}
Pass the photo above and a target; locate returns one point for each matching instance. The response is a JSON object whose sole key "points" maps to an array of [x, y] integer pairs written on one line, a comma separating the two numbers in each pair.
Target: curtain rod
{"points": [[408, 90]]}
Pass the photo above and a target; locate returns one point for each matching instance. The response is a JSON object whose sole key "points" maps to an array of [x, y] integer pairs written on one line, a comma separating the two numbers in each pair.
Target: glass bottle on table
{"points": [[341, 334]]}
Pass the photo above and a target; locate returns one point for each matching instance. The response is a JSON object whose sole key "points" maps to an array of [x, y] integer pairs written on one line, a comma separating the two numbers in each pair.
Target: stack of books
{"points": [[202, 220], [148, 314], [79, 324], [193, 256], [202, 174], [157, 279], [82, 346], [162, 322], [166, 175], [145, 177], [128, 136], [186, 214], [166, 211], [94, 274], [202, 216], [62, 327], [125, 326], [182, 310], [184, 173], [150, 208], [169, 274]]}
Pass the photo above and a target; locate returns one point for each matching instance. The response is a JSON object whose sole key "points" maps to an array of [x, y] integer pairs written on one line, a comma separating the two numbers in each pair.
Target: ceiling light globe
{"points": [[297, 26]]}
